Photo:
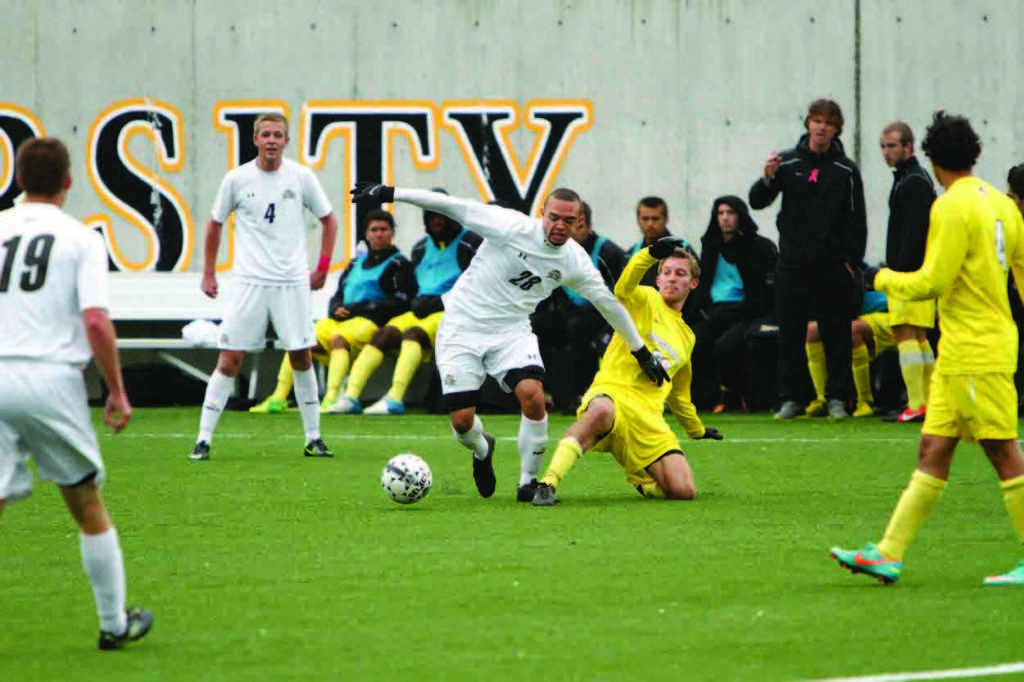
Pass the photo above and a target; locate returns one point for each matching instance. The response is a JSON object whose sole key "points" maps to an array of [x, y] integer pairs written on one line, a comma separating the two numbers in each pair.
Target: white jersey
{"points": [[270, 231], [515, 269], [52, 268]]}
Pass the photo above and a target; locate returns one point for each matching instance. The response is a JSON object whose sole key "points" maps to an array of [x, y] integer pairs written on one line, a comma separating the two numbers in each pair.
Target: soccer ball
{"points": [[406, 478]]}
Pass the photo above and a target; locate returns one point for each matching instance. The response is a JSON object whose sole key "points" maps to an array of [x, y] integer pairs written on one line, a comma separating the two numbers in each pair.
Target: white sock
{"points": [[101, 557], [218, 390], [533, 439], [474, 438], [308, 397]]}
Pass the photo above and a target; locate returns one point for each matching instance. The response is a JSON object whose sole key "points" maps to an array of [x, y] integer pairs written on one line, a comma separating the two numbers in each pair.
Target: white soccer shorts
{"points": [[44, 414], [249, 307], [465, 357]]}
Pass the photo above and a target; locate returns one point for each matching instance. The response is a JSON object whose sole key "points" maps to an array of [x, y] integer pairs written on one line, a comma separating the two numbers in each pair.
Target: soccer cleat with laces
{"points": [[870, 562], [200, 452], [140, 621], [317, 448], [545, 496], [526, 491], [386, 406], [272, 405], [1014, 577], [816, 409], [483, 470], [345, 405]]}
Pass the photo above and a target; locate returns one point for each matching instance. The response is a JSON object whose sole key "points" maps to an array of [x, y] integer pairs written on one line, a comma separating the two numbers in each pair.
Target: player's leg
{"points": [[595, 422], [528, 385], [218, 390], [791, 303], [816, 366], [911, 367], [674, 476], [927, 361], [385, 339], [460, 363], [307, 395], [862, 337], [349, 339]]}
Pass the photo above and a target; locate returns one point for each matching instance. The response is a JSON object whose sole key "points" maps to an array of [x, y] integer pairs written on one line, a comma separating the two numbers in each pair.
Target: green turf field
{"points": [[264, 565]]}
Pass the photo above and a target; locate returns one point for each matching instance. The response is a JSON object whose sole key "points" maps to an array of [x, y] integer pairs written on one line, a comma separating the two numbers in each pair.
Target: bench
{"points": [[149, 310]]}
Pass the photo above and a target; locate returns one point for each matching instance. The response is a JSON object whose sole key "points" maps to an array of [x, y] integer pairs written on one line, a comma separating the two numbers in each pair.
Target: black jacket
{"points": [[398, 282], [822, 222], [753, 255], [910, 203]]}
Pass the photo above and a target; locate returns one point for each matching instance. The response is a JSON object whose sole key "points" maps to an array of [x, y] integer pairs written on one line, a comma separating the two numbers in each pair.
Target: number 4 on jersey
{"points": [[269, 215]]}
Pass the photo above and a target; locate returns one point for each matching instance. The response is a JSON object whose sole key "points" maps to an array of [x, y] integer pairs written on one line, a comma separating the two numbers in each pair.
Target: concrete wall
{"points": [[681, 98]]}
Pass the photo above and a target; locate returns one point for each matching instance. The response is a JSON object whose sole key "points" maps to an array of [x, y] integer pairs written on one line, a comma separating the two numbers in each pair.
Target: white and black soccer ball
{"points": [[406, 478]]}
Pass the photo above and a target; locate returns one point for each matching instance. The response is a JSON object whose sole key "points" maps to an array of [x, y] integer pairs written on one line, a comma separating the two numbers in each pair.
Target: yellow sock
{"points": [[653, 491], [913, 372], [917, 501], [927, 365], [362, 369], [816, 363], [862, 375], [285, 379], [337, 368], [565, 457], [1013, 496], [409, 359]]}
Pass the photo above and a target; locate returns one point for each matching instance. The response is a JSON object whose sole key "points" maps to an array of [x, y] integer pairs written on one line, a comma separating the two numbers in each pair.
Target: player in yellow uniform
{"points": [[976, 235], [622, 411]]}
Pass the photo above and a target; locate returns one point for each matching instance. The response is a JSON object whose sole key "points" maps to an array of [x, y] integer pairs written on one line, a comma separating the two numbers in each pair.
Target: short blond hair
{"points": [[685, 255], [272, 117]]}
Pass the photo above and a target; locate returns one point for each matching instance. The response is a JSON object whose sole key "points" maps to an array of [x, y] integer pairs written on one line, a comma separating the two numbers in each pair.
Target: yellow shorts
{"points": [[639, 437], [914, 313], [972, 407], [881, 331], [429, 324], [357, 331]]}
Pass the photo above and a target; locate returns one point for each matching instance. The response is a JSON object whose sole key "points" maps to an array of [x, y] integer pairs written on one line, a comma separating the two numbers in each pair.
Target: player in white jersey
{"points": [[271, 279], [486, 325], [53, 303]]}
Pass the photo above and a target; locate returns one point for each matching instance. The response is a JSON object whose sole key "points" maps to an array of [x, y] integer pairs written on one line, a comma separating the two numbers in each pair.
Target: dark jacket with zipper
{"points": [[910, 204]]}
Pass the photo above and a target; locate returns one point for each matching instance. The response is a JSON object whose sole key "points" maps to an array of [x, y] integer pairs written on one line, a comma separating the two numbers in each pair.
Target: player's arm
{"points": [[336, 307], [636, 268], [944, 253], [681, 404], [328, 236], [211, 244], [855, 236], [491, 222], [767, 187]]}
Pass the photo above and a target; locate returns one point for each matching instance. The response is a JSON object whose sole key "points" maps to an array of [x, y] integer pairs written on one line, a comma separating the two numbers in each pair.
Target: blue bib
{"points": [[727, 286], [439, 269], [363, 285]]}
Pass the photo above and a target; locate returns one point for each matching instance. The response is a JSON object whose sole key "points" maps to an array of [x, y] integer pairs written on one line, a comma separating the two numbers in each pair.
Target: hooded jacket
{"points": [[822, 222], [753, 255], [910, 205]]}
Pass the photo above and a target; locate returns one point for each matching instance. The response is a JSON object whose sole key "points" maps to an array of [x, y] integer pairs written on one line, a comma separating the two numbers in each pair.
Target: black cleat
{"points": [[545, 496], [317, 448], [139, 623], [483, 470], [201, 452], [526, 491]]}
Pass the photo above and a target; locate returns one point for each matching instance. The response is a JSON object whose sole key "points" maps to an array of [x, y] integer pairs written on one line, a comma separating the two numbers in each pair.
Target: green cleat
{"points": [[870, 562], [1014, 577], [272, 405]]}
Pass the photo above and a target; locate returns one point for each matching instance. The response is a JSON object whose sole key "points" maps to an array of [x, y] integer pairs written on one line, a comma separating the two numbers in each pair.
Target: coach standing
{"points": [[822, 235]]}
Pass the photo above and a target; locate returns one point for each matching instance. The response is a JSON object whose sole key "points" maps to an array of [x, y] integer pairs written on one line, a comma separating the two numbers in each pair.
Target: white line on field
{"points": [[989, 671], [227, 435]]}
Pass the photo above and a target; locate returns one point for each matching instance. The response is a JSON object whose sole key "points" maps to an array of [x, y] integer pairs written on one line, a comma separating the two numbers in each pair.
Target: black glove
{"points": [[870, 272], [711, 433], [664, 247], [651, 366], [424, 306], [366, 192]]}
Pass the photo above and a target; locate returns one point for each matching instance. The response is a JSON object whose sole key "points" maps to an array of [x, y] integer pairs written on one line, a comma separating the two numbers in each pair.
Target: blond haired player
{"points": [[272, 281], [622, 412], [53, 303], [975, 237]]}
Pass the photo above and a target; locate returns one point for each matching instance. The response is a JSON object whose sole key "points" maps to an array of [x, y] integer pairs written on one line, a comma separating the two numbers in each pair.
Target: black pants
{"points": [[827, 297], [580, 331], [718, 353]]}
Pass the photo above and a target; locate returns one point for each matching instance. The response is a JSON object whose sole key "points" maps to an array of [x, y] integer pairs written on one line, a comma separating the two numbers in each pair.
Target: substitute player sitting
{"points": [[375, 287], [438, 259], [622, 412]]}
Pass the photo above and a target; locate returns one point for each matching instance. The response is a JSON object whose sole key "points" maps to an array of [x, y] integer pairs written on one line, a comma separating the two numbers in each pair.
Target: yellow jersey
{"points": [[975, 236], [664, 332]]}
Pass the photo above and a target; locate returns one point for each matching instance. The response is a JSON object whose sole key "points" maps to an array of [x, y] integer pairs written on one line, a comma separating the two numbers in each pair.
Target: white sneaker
{"points": [[386, 406], [345, 405]]}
